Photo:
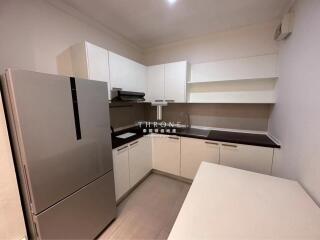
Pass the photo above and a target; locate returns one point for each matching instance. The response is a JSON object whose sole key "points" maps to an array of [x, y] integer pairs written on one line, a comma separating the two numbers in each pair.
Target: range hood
{"points": [[127, 96]]}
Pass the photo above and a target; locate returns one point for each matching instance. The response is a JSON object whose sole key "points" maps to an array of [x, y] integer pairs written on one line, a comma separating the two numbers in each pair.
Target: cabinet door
{"points": [[85, 60], [251, 158], [155, 83], [194, 151], [97, 60], [139, 160], [118, 71], [147, 154], [78, 60], [98, 64], [127, 74], [166, 153], [175, 81], [121, 170], [140, 75]]}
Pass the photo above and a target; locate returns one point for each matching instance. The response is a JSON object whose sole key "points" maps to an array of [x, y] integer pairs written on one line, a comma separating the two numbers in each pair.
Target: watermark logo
{"points": [[159, 127]]}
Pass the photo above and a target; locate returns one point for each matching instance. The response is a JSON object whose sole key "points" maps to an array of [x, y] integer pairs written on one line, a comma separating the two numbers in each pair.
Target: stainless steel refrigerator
{"points": [[60, 134]]}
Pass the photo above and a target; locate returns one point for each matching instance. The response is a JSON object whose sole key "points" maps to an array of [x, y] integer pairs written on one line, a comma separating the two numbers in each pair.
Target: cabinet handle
{"points": [[229, 145], [175, 138], [120, 149], [158, 100], [169, 101], [212, 143], [134, 143]]}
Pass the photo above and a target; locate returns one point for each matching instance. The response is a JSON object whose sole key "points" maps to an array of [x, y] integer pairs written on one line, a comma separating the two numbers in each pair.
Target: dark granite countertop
{"points": [[214, 135], [117, 142], [243, 138]]}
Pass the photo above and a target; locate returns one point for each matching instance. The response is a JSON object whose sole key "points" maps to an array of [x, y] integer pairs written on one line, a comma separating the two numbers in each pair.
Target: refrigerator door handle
{"points": [[75, 107]]}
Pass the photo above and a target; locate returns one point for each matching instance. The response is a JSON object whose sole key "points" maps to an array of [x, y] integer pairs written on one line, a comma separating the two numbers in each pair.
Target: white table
{"points": [[227, 203]]}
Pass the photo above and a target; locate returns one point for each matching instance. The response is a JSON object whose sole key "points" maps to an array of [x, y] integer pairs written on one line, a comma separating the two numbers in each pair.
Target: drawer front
{"points": [[70, 218], [251, 158]]}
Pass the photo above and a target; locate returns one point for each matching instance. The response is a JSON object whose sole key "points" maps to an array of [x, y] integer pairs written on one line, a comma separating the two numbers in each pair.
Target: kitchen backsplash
{"points": [[126, 114], [234, 116]]}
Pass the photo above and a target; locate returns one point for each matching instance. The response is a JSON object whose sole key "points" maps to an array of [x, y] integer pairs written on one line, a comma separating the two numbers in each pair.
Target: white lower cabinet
{"points": [[166, 153], [182, 156], [140, 159], [194, 151], [251, 158], [131, 163], [121, 170]]}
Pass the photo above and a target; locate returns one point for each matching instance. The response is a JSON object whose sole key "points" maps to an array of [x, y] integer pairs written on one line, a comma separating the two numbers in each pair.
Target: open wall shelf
{"points": [[246, 80]]}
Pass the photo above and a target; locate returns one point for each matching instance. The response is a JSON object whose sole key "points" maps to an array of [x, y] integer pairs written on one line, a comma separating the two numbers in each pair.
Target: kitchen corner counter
{"points": [[228, 203], [243, 138], [261, 140]]}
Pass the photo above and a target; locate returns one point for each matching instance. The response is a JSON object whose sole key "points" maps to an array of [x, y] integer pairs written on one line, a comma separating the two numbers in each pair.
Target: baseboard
{"points": [[179, 178]]}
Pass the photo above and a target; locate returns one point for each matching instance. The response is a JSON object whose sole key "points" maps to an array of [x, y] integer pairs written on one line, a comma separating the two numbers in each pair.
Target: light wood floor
{"points": [[150, 210]]}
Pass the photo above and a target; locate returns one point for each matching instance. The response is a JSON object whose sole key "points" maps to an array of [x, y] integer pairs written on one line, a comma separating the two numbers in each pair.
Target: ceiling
{"points": [[149, 23]]}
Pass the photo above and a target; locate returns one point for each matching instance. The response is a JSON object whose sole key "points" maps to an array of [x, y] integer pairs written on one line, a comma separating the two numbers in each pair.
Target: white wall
{"points": [[34, 32], [295, 119], [243, 42], [11, 216]]}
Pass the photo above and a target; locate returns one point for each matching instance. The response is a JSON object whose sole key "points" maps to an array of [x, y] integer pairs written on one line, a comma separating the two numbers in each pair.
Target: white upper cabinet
{"points": [[245, 80], [85, 60], [167, 82], [127, 74], [97, 62], [175, 81], [155, 83], [258, 67], [140, 74]]}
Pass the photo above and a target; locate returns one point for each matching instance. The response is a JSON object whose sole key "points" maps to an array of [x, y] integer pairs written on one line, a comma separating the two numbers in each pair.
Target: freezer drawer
{"points": [[82, 215]]}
